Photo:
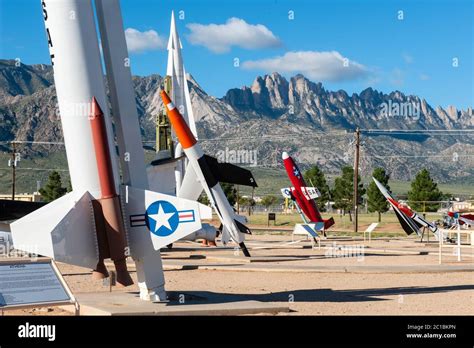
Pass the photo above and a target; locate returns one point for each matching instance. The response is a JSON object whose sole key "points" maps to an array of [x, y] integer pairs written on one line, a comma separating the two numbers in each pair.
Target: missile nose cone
{"points": [[185, 136], [285, 155], [95, 108], [376, 181]]}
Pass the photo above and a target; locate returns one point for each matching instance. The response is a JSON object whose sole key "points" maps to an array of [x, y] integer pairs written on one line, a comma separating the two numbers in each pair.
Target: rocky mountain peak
{"points": [[272, 104]]}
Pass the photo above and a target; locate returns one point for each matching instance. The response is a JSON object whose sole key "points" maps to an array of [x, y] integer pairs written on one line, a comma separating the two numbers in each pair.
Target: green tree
{"points": [[69, 186], [203, 199], [375, 199], [424, 189], [269, 200], [230, 192], [53, 188], [343, 192], [247, 202], [315, 177]]}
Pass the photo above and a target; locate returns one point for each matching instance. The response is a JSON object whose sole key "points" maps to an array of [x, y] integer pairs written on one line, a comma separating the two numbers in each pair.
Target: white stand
{"points": [[370, 229], [309, 230]]}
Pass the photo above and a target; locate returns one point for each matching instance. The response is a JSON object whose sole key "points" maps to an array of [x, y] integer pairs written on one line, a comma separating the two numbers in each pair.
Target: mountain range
{"points": [[272, 115]]}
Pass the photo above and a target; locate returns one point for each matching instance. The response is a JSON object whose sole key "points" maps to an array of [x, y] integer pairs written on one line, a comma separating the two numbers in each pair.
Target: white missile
{"points": [[186, 184], [69, 229], [164, 174], [175, 69], [132, 159], [180, 95]]}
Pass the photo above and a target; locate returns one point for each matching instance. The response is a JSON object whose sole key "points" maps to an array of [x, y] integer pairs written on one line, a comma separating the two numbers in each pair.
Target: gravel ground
{"points": [[311, 293]]}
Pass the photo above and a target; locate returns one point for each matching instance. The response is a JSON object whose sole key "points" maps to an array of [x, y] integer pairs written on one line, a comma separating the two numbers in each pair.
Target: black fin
{"points": [[160, 161], [408, 224], [244, 249], [242, 227], [230, 173]]}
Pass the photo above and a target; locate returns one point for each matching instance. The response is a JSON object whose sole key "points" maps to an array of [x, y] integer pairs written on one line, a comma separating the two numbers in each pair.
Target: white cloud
{"points": [[397, 77], [219, 38], [323, 66], [407, 58], [138, 41], [424, 77]]}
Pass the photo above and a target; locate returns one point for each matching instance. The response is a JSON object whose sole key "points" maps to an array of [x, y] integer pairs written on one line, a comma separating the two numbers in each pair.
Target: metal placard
{"points": [[32, 283]]}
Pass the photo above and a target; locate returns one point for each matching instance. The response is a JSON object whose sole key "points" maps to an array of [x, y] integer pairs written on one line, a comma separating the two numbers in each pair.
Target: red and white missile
{"points": [[211, 186], [302, 194], [409, 219], [463, 218]]}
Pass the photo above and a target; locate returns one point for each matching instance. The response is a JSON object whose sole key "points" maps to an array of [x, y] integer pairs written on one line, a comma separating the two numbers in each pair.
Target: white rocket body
{"points": [[216, 196], [175, 69], [78, 77], [180, 96], [189, 182], [65, 228]]}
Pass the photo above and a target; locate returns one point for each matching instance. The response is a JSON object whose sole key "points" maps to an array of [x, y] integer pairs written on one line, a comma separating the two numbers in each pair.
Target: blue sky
{"points": [[414, 55]]}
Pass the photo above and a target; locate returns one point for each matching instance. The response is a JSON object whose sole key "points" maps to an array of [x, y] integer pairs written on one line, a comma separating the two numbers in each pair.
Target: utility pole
{"points": [[356, 176], [238, 207], [12, 163]]}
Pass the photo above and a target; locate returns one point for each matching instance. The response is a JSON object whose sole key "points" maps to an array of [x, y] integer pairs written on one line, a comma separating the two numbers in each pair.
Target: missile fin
{"points": [[230, 173], [242, 227], [165, 218], [407, 224], [190, 188], [311, 231], [63, 230], [244, 249], [328, 223]]}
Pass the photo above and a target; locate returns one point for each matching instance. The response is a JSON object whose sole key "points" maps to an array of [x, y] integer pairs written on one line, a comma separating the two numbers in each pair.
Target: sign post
{"points": [[271, 217]]}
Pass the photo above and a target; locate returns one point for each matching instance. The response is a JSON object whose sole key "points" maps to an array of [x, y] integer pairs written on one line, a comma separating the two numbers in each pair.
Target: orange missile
{"points": [[204, 172]]}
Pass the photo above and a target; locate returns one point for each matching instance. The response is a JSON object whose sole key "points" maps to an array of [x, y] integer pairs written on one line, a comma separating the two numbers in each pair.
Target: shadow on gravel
{"points": [[316, 295]]}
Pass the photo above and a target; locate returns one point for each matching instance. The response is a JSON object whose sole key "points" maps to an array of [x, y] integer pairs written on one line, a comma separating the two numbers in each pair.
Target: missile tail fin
{"points": [[63, 230], [244, 249], [408, 225], [164, 218], [242, 227], [328, 223]]}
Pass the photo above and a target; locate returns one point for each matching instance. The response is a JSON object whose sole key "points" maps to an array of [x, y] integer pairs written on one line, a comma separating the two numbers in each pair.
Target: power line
{"points": [[38, 169], [418, 156], [418, 130], [290, 135], [32, 142]]}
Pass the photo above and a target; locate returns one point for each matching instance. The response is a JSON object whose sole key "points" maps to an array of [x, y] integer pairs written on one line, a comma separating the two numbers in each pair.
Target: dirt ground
{"points": [[386, 277]]}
